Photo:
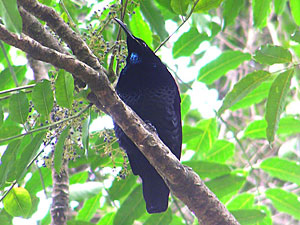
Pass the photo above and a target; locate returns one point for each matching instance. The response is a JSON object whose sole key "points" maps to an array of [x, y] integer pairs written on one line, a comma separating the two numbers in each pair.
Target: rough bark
{"points": [[183, 182]]}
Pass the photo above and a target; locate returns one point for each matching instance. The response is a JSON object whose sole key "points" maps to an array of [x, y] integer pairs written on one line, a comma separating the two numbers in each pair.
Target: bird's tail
{"points": [[155, 191]]}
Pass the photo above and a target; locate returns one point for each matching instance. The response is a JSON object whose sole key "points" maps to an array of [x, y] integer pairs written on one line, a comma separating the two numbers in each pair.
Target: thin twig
{"points": [[17, 89], [183, 22], [10, 188]]}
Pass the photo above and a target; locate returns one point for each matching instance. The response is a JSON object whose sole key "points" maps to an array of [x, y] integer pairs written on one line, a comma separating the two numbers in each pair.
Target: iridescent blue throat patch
{"points": [[134, 58]]}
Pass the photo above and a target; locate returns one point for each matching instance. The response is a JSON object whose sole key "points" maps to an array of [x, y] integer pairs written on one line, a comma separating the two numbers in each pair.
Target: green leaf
{"points": [[190, 133], [59, 149], [17, 202], [7, 81], [28, 154], [289, 126], [256, 96], [154, 17], [261, 11], [80, 177], [11, 16], [270, 54], [39, 180], [295, 8], [42, 97], [107, 219], [256, 129], [243, 87], [226, 185], [284, 201], [89, 208], [87, 190], [276, 100], [296, 36], [64, 88], [132, 208], [164, 218], [283, 169], [231, 10], [204, 140], [248, 216], [1, 115], [227, 61], [221, 151], [122, 187], [19, 107], [205, 5], [7, 160], [188, 42], [208, 169], [279, 6], [185, 104], [180, 6], [140, 28], [241, 201], [9, 129]]}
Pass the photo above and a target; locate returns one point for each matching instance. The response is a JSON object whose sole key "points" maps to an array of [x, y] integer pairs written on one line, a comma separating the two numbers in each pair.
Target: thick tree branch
{"points": [[183, 182]]}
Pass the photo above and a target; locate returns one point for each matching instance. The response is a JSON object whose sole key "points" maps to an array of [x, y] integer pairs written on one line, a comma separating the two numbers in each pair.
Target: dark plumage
{"points": [[146, 85]]}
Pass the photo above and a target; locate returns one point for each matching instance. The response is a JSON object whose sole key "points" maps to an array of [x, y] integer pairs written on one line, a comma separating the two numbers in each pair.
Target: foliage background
{"points": [[247, 153]]}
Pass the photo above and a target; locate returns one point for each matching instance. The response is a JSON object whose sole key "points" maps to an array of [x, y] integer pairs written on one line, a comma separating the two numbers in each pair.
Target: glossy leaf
{"points": [[231, 10], [283, 169], [164, 218], [10, 15], [19, 107], [140, 28], [80, 177], [89, 208], [17, 202], [180, 6], [221, 151], [204, 140], [279, 6], [154, 17], [284, 201], [295, 8], [270, 54], [185, 104], [205, 5], [64, 88], [28, 154], [255, 96], [42, 97], [220, 66], [208, 169], [248, 216], [7, 160], [122, 187], [289, 126], [243, 87], [256, 129], [188, 43], [85, 133], [107, 219], [242, 201], [132, 208], [261, 11], [59, 149], [226, 185], [276, 101]]}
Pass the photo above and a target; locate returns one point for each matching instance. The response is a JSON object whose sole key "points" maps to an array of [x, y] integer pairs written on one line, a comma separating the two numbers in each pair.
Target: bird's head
{"points": [[137, 48]]}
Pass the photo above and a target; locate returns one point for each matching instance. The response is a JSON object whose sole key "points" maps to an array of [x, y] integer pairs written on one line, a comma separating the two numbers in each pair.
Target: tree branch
{"points": [[183, 182]]}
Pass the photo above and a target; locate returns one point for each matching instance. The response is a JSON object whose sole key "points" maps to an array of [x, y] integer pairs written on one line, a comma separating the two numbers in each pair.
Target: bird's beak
{"points": [[128, 33]]}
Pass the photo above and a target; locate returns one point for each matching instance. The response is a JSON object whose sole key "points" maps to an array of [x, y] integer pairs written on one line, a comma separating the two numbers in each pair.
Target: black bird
{"points": [[146, 85]]}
